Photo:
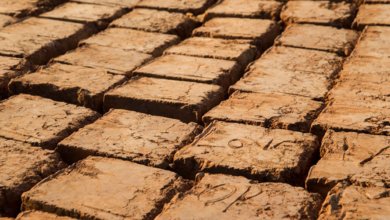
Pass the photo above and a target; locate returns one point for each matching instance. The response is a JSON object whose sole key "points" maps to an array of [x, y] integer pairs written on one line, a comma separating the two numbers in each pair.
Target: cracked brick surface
{"points": [[142, 138], [228, 197], [186, 101], [22, 166], [121, 3], [374, 42], [24, 8], [372, 14], [8, 70], [266, 109], [185, 6], [38, 215], [100, 188], [265, 154]]}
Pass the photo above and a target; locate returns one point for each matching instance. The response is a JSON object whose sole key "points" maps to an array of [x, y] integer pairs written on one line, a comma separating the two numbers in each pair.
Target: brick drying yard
{"points": [[194, 109]]}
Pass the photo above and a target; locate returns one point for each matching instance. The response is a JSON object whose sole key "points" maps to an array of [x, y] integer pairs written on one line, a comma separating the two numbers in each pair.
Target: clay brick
{"points": [[376, 1], [245, 9], [8, 70], [104, 188], [230, 197], [22, 166], [37, 215], [133, 136], [187, 101], [113, 60], [265, 109], [184, 6], [122, 3], [74, 84], [340, 115], [157, 21], [24, 8], [355, 202], [127, 39], [265, 154], [339, 14], [41, 121], [236, 50], [85, 13], [261, 32], [347, 156], [372, 14], [195, 69], [374, 42], [6, 20], [291, 71], [317, 37], [366, 69], [39, 39]]}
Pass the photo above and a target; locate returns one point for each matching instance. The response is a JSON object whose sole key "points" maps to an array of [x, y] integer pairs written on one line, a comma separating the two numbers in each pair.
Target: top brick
{"points": [[318, 12], [375, 14], [121, 3], [193, 6], [24, 8]]}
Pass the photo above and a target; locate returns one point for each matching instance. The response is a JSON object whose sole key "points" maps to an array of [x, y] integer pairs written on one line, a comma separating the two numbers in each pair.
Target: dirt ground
{"points": [[194, 109]]}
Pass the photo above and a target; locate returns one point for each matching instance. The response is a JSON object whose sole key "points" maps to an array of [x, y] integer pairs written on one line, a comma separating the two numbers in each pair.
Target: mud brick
{"points": [[236, 50], [85, 13], [261, 32], [230, 197], [265, 155], [245, 9], [122, 3], [22, 166], [41, 121], [374, 42], [317, 37], [187, 101], [8, 70], [38, 215], [349, 155], [265, 109], [157, 21], [133, 136], [74, 84], [184, 6], [291, 71], [372, 14], [113, 60], [195, 69], [129, 190], [6, 20], [367, 69], [127, 39], [24, 8], [39, 39], [355, 202], [339, 14], [376, 1], [341, 115]]}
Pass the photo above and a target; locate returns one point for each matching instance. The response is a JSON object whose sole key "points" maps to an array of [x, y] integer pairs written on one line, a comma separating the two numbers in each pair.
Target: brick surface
{"points": [[354, 202], [264, 154], [261, 32], [372, 14], [237, 50], [361, 158], [196, 69], [37, 215], [85, 13], [291, 71], [100, 188], [121, 3], [339, 14], [24, 8], [40, 121], [376, 1], [374, 42], [141, 138], [113, 60], [39, 39], [22, 166], [6, 20], [245, 9], [127, 39], [8, 70], [192, 6], [157, 21], [266, 109], [229, 197], [317, 37], [74, 84], [186, 101]]}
